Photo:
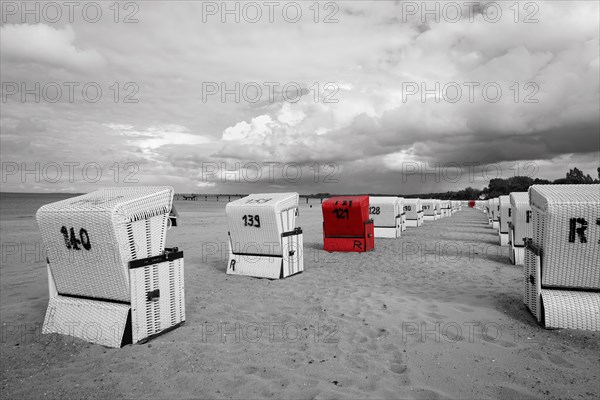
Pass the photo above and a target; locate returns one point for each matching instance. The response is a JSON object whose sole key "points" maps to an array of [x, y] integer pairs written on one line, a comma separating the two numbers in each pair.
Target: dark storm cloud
{"points": [[368, 121]]}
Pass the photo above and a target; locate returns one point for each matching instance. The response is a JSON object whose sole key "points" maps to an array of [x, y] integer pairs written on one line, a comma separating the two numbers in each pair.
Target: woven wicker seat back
{"points": [[256, 222], [384, 211], [89, 239], [428, 207], [521, 217], [566, 227], [495, 209], [400, 208], [345, 216], [412, 208], [505, 213]]}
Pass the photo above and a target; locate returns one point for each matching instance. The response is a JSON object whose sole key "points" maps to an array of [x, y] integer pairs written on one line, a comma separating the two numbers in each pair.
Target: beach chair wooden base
{"points": [[354, 244], [429, 218], [351, 244], [570, 309], [517, 255], [290, 262], [558, 308], [157, 306], [503, 238], [413, 223], [496, 224], [388, 232], [532, 283]]}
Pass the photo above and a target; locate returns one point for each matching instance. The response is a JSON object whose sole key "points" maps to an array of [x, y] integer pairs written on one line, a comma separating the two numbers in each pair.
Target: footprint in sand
{"points": [[536, 355], [423, 393], [559, 361], [464, 309], [250, 369], [504, 343], [357, 363], [397, 365], [435, 316]]}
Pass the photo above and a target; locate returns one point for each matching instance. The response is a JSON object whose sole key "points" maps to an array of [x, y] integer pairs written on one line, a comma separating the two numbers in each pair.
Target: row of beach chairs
{"points": [[553, 231], [113, 282]]}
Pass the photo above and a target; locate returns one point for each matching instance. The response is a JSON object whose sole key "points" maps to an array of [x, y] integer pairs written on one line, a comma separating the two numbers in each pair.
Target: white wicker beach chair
{"points": [[402, 212], [445, 209], [489, 208], [520, 226], [263, 239], [438, 209], [505, 213], [414, 212], [386, 215], [429, 212], [562, 260], [495, 211], [111, 280]]}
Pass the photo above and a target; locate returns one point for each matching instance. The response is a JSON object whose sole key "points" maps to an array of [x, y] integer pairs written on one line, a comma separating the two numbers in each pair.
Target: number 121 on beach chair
{"points": [[346, 224]]}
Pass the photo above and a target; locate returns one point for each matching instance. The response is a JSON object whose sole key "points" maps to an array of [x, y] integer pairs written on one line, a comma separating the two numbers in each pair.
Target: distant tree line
{"points": [[501, 187], [496, 187]]}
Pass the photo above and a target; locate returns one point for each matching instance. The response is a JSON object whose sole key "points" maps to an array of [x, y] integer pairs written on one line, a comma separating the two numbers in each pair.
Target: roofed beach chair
{"points": [[496, 213], [386, 215], [111, 280], [346, 224], [264, 241], [438, 209], [402, 212], [562, 260], [519, 227], [505, 214], [414, 212], [429, 212]]}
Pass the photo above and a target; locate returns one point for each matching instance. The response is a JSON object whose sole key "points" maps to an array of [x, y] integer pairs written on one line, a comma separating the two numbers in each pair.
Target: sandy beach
{"points": [[435, 314]]}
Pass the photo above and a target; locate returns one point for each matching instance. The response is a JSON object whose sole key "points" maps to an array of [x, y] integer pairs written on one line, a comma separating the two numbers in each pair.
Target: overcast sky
{"points": [[359, 106]]}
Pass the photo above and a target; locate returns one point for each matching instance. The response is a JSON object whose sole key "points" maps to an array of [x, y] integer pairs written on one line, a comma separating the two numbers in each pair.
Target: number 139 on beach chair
{"points": [[264, 241]]}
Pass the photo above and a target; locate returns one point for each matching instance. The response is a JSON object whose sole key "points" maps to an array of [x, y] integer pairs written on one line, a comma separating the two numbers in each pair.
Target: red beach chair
{"points": [[346, 224]]}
